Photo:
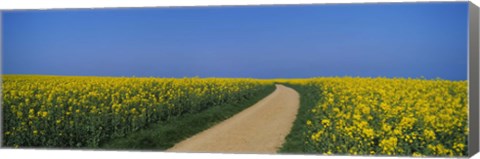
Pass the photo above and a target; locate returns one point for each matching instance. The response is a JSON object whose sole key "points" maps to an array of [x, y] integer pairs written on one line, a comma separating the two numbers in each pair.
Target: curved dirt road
{"points": [[260, 128]]}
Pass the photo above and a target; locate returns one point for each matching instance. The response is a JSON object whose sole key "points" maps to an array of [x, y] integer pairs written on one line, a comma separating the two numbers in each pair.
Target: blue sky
{"points": [[299, 41]]}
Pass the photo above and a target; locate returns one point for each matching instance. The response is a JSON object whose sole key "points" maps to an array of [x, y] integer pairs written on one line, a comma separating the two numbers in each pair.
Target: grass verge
{"points": [[164, 134], [295, 140]]}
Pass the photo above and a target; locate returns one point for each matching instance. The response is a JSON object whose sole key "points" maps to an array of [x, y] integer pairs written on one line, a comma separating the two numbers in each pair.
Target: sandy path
{"points": [[260, 128]]}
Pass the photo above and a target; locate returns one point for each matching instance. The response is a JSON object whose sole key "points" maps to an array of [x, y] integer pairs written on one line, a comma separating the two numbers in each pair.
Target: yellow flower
{"points": [[328, 153], [330, 100], [388, 145], [309, 123], [44, 114], [326, 122], [459, 147], [369, 132], [429, 134], [316, 136], [19, 114], [133, 110]]}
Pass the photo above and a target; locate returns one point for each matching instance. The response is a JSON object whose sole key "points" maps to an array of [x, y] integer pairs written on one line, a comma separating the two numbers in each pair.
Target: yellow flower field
{"points": [[357, 116], [62, 111], [380, 116]]}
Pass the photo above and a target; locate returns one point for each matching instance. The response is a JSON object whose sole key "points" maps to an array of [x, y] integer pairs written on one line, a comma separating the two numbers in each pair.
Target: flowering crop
{"points": [[53, 111], [380, 116], [358, 116]]}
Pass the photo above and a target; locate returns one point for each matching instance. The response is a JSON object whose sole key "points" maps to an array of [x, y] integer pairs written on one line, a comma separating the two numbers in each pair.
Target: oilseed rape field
{"points": [[338, 115], [380, 116], [51, 111]]}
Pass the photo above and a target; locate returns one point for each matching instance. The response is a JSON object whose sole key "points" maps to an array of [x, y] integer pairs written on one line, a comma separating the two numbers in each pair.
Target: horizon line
{"points": [[313, 77]]}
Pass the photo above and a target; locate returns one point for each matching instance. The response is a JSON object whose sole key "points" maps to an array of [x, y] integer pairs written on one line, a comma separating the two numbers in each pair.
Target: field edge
{"points": [[294, 141]]}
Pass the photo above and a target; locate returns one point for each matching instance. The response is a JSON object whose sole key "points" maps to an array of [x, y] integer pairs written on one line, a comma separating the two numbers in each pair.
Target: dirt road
{"points": [[260, 128]]}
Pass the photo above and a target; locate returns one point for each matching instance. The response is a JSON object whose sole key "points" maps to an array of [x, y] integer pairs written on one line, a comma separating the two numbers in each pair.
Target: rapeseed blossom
{"points": [[79, 108], [382, 116]]}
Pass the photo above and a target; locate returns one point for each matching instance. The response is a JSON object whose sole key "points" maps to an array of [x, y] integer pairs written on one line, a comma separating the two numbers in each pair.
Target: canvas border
{"points": [[473, 46], [473, 49]]}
